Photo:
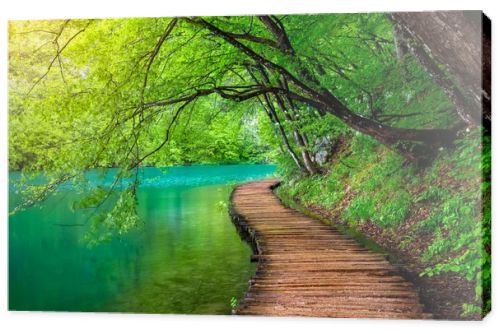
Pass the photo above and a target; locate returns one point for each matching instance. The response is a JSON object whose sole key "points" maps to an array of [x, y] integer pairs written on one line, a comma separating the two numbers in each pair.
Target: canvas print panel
{"points": [[333, 165]]}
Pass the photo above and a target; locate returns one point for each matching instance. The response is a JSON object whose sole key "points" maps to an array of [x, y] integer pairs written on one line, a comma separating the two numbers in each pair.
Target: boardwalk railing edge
{"points": [[247, 234], [244, 230]]}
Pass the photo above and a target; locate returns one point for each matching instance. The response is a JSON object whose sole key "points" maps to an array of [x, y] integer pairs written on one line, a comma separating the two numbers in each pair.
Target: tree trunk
{"points": [[450, 40], [386, 134], [273, 116], [271, 112], [299, 139]]}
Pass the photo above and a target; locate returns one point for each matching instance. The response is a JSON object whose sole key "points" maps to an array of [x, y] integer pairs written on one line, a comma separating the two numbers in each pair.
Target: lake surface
{"points": [[188, 258]]}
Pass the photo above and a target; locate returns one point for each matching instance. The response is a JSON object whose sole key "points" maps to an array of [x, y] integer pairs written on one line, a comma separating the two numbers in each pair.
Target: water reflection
{"points": [[187, 259]]}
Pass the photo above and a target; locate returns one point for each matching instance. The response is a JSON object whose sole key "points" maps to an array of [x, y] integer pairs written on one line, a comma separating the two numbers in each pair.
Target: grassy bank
{"points": [[437, 218]]}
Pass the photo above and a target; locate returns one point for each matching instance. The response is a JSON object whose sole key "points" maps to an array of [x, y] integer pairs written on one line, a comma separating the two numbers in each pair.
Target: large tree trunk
{"points": [[387, 135], [449, 44]]}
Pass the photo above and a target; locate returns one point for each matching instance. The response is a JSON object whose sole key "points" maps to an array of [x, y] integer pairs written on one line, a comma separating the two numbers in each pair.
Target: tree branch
{"points": [[155, 52], [58, 53]]}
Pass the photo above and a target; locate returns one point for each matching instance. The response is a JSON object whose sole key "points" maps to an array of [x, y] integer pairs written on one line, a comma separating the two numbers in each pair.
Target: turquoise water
{"points": [[188, 257]]}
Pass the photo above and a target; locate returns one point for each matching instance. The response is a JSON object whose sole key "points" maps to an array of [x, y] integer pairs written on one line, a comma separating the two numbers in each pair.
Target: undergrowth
{"points": [[447, 203]]}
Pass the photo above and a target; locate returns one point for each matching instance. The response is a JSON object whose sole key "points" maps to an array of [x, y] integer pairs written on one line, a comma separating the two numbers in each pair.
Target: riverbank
{"points": [[435, 220]]}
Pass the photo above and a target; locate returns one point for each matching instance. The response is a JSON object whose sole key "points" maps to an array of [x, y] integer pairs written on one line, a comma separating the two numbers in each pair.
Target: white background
{"points": [[45, 322]]}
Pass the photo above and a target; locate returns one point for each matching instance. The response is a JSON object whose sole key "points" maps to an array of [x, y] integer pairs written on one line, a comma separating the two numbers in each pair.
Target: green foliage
{"points": [[378, 182], [360, 209], [86, 102], [461, 220], [470, 309], [222, 206], [368, 183], [92, 199], [122, 218], [85, 94], [233, 302], [219, 139]]}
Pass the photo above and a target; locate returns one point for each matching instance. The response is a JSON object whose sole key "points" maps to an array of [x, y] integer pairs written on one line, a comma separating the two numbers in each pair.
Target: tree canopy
{"points": [[135, 92]]}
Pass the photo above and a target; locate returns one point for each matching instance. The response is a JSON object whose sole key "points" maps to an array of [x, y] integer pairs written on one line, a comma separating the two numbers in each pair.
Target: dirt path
{"points": [[307, 268]]}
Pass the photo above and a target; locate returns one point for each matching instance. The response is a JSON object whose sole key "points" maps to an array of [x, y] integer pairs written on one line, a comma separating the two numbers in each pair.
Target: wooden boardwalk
{"points": [[306, 268]]}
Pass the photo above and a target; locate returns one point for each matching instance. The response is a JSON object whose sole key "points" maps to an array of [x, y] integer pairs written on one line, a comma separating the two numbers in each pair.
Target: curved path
{"points": [[306, 268]]}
